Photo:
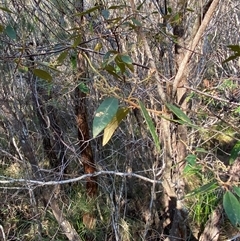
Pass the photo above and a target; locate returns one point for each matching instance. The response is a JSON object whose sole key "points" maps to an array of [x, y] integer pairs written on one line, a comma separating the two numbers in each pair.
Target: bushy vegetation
{"points": [[119, 120]]}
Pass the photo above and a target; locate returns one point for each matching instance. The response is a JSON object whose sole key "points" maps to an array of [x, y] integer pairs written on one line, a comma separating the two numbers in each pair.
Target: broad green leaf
{"points": [[191, 166], [77, 41], [205, 188], [130, 66], [126, 59], [235, 48], [150, 125], [191, 159], [235, 152], [113, 125], [120, 64], [10, 32], [231, 206], [104, 114], [62, 57], [237, 190], [83, 87], [179, 113], [111, 70], [42, 74]]}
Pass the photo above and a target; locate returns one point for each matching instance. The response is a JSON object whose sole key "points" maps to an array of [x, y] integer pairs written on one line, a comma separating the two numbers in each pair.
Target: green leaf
{"points": [[23, 69], [77, 41], [191, 167], [179, 113], [117, 7], [120, 64], [237, 190], [235, 48], [139, 6], [235, 152], [104, 114], [232, 208], [1, 28], [150, 125], [83, 87], [62, 57], [126, 59], [73, 60], [231, 58], [205, 188], [105, 13], [5, 10], [10, 32], [136, 22], [111, 70], [42, 74], [90, 10], [113, 125], [130, 66], [191, 159]]}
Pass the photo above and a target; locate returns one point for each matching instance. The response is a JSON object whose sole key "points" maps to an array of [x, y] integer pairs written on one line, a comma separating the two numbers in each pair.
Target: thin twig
{"points": [[212, 96], [49, 183]]}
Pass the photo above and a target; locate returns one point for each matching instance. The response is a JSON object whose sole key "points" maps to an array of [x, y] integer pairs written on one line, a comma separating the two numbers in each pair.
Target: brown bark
{"points": [[87, 159]]}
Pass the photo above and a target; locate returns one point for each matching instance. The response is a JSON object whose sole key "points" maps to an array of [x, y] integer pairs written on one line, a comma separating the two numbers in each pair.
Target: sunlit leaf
{"points": [[113, 125], [62, 57], [179, 113], [23, 69], [232, 208], [98, 47], [42, 74], [150, 125], [77, 41], [235, 152], [205, 188], [104, 114], [10, 32]]}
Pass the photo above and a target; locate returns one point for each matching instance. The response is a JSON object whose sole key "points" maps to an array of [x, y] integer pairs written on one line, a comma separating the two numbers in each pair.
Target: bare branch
{"points": [[50, 183]]}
